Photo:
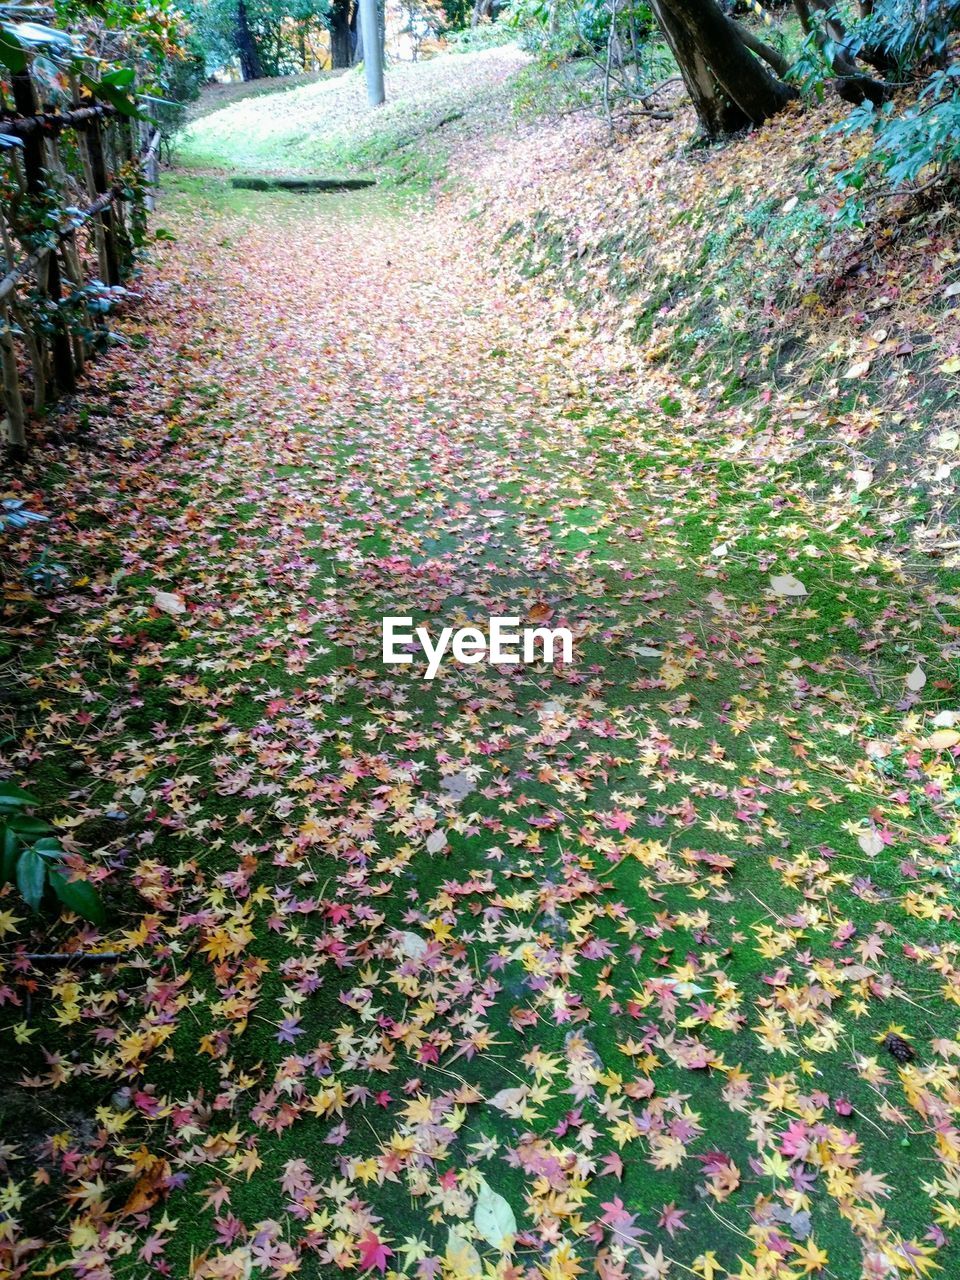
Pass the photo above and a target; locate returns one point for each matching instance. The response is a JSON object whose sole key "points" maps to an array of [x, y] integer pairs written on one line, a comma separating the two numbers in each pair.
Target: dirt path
{"points": [[611, 941]]}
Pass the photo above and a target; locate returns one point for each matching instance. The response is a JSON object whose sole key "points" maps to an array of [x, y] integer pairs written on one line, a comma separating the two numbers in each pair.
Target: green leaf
{"points": [[12, 797], [112, 94], [119, 77], [79, 896], [9, 852], [24, 825], [31, 877], [12, 53], [117, 98], [35, 33], [50, 848]]}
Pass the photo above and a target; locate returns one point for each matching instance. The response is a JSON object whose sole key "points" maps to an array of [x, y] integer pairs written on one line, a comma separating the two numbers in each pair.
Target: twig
{"points": [[650, 114], [76, 221], [39, 957]]}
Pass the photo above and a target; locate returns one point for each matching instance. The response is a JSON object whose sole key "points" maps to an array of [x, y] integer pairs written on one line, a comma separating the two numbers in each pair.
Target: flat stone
{"points": [[300, 183]]}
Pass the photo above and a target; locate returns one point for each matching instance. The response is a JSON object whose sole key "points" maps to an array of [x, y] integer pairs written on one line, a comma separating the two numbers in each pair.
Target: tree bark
{"points": [[716, 113], [827, 28], [371, 42], [771, 56], [357, 34], [341, 42], [360, 35], [851, 84], [715, 42], [251, 68]]}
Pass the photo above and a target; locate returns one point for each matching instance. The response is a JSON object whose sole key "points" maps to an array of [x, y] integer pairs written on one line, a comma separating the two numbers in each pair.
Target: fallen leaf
{"points": [[785, 584], [494, 1218]]}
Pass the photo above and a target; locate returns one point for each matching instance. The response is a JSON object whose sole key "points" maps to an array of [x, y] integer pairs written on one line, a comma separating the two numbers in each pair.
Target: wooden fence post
{"points": [[111, 154], [123, 152], [15, 420], [107, 217], [25, 100], [151, 168], [71, 262]]}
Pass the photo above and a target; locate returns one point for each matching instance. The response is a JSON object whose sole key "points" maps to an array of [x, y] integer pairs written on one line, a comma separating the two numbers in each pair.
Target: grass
{"points": [[215, 97], [732, 275], [328, 128]]}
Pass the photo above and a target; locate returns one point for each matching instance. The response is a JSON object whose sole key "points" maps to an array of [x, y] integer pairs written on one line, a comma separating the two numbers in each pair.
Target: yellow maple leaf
{"points": [[810, 1257], [707, 1265]]}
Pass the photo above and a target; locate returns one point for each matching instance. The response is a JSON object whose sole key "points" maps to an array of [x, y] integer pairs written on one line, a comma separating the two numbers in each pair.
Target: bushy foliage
{"points": [[604, 48], [278, 29], [485, 35], [576, 28], [919, 141], [156, 45], [35, 862], [922, 140], [910, 33]]}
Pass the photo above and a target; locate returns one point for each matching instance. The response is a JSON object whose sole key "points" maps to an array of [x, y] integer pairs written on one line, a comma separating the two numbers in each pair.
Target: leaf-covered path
{"points": [[646, 966]]}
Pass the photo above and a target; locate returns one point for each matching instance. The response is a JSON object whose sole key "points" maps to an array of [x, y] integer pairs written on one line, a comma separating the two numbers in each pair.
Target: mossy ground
{"points": [[659, 861]]}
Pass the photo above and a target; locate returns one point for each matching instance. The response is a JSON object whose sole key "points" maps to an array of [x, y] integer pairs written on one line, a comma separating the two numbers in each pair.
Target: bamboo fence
{"points": [[76, 183]]}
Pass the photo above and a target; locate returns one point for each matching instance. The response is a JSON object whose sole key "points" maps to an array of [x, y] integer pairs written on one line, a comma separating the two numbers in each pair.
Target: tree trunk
{"points": [[361, 36], [251, 67], [831, 37], [716, 113], [831, 29], [341, 42], [711, 52]]}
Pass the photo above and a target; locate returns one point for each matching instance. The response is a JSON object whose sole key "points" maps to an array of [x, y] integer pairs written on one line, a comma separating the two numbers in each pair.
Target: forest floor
{"points": [[641, 966], [216, 96]]}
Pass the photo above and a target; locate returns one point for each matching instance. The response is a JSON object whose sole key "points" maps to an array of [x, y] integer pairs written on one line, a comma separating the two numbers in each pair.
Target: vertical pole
{"points": [[372, 52], [107, 218], [118, 150], [83, 148], [25, 100], [70, 262], [15, 420], [151, 169]]}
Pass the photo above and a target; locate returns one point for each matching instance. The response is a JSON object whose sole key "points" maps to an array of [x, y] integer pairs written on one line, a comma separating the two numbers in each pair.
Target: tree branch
{"points": [[851, 84], [772, 57]]}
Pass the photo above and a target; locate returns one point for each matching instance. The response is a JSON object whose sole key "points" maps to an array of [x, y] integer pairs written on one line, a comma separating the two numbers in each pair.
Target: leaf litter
{"points": [[642, 966]]}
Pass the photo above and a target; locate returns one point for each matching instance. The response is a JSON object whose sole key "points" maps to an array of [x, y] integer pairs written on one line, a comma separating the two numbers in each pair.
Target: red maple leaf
{"points": [[619, 821], [373, 1253]]}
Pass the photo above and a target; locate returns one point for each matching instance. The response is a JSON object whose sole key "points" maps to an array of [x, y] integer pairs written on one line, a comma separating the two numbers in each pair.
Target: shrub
{"points": [[34, 860]]}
